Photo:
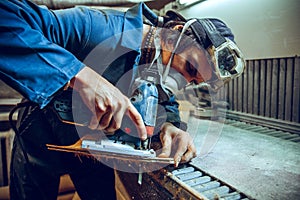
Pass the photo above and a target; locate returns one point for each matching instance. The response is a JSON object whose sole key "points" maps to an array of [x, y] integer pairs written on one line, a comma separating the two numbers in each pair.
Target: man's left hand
{"points": [[178, 141]]}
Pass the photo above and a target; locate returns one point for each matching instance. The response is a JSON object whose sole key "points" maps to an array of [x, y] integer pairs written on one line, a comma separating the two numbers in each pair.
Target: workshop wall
{"points": [[268, 88], [263, 29], [268, 33]]}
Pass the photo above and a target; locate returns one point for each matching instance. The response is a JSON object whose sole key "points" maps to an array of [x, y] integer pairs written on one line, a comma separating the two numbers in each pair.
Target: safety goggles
{"points": [[230, 62], [229, 59]]}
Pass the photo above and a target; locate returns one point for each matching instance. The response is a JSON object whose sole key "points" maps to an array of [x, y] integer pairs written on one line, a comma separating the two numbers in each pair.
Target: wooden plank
{"points": [[66, 185], [262, 92], [268, 88], [274, 90], [256, 87], [149, 189], [230, 95], [4, 193], [296, 90], [289, 86], [245, 88], [9, 146], [8, 92], [235, 94], [281, 88], [227, 93], [9, 101], [250, 88], [240, 93], [6, 138], [121, 191]]}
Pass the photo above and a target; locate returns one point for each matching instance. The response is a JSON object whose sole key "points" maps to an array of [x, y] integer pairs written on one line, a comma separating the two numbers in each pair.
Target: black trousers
{"points": [[35, 170]]}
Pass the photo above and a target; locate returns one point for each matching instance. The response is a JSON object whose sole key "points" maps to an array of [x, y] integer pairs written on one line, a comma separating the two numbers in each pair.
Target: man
{"points": [[46, 53]]}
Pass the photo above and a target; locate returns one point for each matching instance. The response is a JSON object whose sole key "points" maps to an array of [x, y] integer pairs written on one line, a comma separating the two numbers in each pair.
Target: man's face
{"points": [[193, 63]]}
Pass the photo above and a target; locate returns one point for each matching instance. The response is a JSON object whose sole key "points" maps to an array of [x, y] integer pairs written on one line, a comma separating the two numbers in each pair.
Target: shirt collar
{"points": [[133, 25]]}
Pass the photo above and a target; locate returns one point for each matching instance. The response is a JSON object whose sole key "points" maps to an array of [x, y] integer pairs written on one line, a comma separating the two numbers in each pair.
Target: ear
{"points": [[178, 27], [170, 40]]}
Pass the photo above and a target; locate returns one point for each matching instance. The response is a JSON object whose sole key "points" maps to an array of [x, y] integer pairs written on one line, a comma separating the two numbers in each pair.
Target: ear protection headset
{"points": [[229, 59]]}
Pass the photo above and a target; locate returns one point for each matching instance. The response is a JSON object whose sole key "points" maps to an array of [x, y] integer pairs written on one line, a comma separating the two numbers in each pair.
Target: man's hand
{"points": [[177, 140], [106, 102]]}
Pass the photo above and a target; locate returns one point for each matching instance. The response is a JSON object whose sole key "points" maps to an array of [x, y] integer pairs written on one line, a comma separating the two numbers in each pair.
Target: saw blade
{"points": [[105, 154]]}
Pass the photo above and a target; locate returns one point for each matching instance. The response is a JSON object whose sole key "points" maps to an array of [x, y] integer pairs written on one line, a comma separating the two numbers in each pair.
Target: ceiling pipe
{"points": [[60, 4]]}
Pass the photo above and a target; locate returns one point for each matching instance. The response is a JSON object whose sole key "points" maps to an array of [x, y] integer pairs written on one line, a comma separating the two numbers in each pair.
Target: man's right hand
{"points": [[106, 102]]}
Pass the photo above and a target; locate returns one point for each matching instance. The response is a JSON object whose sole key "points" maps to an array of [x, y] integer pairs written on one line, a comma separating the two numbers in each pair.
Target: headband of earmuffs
{"points": [[208, 31]]}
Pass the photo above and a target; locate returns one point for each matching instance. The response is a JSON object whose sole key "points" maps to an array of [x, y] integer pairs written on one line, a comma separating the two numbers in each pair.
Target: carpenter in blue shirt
{"points": [[45, 52]]}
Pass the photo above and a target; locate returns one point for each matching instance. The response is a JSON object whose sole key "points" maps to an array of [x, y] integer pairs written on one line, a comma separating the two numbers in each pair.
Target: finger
{"points": [[112, 126], [190, 154], [166, 141], [104, 122], [137, 119], [182, 148], [118, 118], [97, 115]]}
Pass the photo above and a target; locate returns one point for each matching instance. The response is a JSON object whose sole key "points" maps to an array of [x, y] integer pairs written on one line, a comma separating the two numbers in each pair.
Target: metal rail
{"points": [[190, 182], [267, 130], [275, 124]]}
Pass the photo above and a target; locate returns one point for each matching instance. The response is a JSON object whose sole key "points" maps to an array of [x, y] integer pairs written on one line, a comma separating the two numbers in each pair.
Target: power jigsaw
{"points": [[144, 97]]}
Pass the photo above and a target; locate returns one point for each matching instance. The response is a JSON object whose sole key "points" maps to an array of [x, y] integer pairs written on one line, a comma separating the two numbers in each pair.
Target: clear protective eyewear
{"points": [[229, 60]]}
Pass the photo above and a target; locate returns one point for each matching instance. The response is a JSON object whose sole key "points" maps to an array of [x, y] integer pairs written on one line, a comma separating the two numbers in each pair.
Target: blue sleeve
{"points": [[171, 107], [32, 63]]}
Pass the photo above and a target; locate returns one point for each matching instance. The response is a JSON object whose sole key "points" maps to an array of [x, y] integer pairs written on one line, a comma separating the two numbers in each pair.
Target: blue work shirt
{"points": [[42, 49]]}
